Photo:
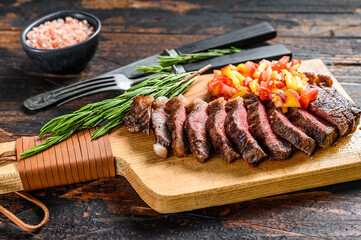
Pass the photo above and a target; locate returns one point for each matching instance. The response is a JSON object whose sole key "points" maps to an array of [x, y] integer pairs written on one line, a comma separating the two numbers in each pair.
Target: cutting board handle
{"points": [[77, 159]]}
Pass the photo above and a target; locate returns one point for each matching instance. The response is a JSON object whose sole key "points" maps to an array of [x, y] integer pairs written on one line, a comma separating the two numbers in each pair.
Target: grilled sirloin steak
{"points": [[236, 126], [331, 105], [195, 126], [217, 132], [161, 131], [350, 109], [323, 132], [176, 117], [261, 130], [138, 118], [328, 108], [286, 130]]}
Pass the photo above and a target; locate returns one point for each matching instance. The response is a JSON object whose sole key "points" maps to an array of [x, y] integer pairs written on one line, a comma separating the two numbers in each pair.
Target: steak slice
{"points": [[195, 126], [138, 118], [350, 110], [286, 130], [319, 79], [261, 130], [176, 117], [237, 130], [217, 132], [161, 132], [336, 104], [323, 132], [328, 108]]}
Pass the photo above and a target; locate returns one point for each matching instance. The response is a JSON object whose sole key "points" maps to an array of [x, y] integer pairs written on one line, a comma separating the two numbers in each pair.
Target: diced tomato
{"points": [[227, 90], [264, 93], [265, 75], [281, 63], [215, 83], [310, 93], [250, 67], [295, 64], [247, 81], [304, 101], [279, 84], [265, 90], [270, 84]]}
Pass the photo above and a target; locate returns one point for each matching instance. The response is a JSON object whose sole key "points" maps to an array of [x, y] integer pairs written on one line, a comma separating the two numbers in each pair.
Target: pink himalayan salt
{"points": [[59, 33]]}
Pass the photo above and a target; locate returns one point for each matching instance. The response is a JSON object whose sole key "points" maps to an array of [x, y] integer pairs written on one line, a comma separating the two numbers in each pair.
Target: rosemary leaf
{"points": [[109, 112], [154, 69], [166, 62]]}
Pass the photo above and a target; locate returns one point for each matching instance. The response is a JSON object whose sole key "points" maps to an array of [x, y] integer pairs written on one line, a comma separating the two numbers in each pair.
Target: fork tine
{"points": [[112, 88], [83, 86], [81, 83], [86, 89]]}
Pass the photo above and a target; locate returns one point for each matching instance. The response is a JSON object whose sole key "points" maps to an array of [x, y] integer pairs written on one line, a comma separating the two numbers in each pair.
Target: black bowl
{"points": [[69, 59]]}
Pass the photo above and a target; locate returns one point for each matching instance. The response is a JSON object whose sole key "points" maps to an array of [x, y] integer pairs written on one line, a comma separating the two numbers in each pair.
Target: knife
{"points": [[240, 38]]}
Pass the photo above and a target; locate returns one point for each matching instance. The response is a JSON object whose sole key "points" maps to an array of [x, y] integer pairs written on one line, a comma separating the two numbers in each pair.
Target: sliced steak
{"points": [[138, 118], [319, 79], [195, 126], [176, 117], [286, 130], [236, 126], [217, 132], [161, 132], [328, 108], [333, 104], [350, 110], [261, 130], [323, 132]]}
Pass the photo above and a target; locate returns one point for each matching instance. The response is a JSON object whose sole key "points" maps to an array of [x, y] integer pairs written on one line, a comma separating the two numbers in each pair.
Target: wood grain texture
{"points": [[183, 184], [111, 209]]}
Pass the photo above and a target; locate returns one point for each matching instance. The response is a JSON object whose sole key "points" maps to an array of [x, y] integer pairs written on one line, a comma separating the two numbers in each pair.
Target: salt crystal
{"points": [[59, 33]]}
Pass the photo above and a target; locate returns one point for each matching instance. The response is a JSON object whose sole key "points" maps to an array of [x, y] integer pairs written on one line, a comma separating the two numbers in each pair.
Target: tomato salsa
{"points": [[279, 81]]}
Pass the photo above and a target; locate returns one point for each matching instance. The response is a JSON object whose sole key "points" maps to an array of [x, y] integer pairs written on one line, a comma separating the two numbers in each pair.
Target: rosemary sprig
{"points": [[154, 69], [166, 62], [110, 112]]}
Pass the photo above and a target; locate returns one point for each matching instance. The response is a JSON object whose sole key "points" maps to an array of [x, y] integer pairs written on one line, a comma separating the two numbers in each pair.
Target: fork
{"points": [[84, 88], [120, 81]]}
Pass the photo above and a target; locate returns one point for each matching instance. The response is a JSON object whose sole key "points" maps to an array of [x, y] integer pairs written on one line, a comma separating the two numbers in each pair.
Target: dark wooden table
{"points": [[111, 209]]}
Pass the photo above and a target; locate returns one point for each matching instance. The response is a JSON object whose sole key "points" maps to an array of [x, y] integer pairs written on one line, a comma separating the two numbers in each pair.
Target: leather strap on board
{"points": [[77, 159], [19, 222]]}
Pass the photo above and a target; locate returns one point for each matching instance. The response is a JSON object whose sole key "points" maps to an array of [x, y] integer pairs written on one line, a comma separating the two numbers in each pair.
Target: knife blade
{"points": [[240, 38], [271, 52]]}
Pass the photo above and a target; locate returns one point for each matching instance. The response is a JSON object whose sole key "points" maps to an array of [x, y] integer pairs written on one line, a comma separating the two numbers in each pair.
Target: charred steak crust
{"points": [[236, 126], [175, 122], [138, 118], [261, 130], [195, 126], [161, 131], [216, 130], [319, 79], [323, 132], [351, 111], [286, 130], [330, 109]]}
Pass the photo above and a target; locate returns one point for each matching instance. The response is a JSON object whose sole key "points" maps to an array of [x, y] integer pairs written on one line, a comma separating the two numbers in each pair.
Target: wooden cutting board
{"points": [[182, 184]]}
